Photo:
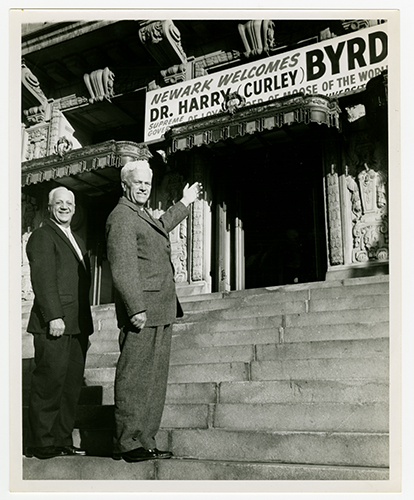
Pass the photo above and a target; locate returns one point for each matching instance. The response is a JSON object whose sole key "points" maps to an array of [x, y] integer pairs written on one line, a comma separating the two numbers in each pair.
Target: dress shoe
{"points": [[141, 454], [66, 451], [44, 452], [161, 454]]}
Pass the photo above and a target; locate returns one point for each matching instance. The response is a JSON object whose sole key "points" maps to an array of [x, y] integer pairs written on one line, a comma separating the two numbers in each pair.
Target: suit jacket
{"points": [[59, 280], [139, 254]]}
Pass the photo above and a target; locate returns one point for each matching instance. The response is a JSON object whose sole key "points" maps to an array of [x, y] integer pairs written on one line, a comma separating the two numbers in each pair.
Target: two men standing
{"points": [[139, 254]]}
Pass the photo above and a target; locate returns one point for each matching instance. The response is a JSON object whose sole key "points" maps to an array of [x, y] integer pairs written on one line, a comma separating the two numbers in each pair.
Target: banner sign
{"points": [[333, 67]]}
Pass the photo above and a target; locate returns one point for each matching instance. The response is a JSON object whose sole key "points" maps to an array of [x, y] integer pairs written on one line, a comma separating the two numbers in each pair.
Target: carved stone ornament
{"points": [[63, 146], [336, 256], [174, 74], [257, 37], [232, 102], [31, 83], [162, 39], [100, 84], [36, 143], [216, 59], [178, 238], [197, 227], [70, 101], [36, 114], [369, 206]]}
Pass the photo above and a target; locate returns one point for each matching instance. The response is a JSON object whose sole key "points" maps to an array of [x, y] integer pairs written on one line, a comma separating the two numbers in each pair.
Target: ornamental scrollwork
{"points": [[100, 84], [31, 83], [369, 215], [63, 146], [232, 102], [257, 37], [162, 39]]}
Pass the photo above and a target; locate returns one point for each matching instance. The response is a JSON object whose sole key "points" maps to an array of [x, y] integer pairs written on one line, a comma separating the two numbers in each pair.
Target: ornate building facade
{"points": [[285, 123]]}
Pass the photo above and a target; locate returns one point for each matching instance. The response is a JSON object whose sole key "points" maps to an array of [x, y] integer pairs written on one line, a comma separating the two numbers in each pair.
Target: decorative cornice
{"points": [[94, 157], [54, 33], [255, 118]]}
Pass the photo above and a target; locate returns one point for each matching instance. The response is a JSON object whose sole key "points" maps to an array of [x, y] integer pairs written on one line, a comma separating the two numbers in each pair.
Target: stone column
{"points": [[200, 227]]}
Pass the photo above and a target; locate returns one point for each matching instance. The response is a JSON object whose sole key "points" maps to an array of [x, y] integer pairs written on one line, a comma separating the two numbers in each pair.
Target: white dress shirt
{"points": [[67, 231]]}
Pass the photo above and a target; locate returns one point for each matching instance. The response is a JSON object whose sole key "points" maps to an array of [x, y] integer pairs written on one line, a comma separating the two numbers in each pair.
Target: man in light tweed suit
{"points": [[139, 254]]}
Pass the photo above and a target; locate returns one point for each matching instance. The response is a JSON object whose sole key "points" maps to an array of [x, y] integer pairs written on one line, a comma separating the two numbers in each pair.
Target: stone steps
{"points": [[335, 448], [101, 468], [106, 341], [277, 417], [289, 293], [325, 417], [267, 306], [285, 369], [297, 391], [260, 352], [327, 448], [274, 351], [281, 391], [274, 321], [356, 449], [284, 382], [330, 293]]}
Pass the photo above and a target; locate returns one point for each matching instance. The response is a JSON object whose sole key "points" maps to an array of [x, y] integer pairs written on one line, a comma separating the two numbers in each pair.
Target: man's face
{"points": [[137, 186], [62, 208]]}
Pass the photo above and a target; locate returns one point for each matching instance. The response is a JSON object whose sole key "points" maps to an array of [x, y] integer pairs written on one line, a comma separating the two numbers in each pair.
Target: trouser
{"points": [[140, 386], [55, 388]]}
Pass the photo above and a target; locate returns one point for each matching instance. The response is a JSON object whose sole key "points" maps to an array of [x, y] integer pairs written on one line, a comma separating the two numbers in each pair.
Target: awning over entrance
{"points": [[238, 120], [90, 169]]}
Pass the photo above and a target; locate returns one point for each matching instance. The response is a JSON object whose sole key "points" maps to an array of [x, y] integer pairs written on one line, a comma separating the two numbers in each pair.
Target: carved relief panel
{"points": [[336, 255], [170, 191], [188, 251], [369, 202], [36, 142]]}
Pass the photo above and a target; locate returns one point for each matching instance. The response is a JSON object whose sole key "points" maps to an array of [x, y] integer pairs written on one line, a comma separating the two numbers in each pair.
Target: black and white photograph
{"points": [[208, 213]]}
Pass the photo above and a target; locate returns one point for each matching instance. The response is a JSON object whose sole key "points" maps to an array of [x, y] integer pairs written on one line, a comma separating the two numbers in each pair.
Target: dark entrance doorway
{"points": [[270, 216]]}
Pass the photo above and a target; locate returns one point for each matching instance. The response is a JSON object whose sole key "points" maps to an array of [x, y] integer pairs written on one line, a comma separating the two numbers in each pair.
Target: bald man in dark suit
{"points": [[61, 322]]}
